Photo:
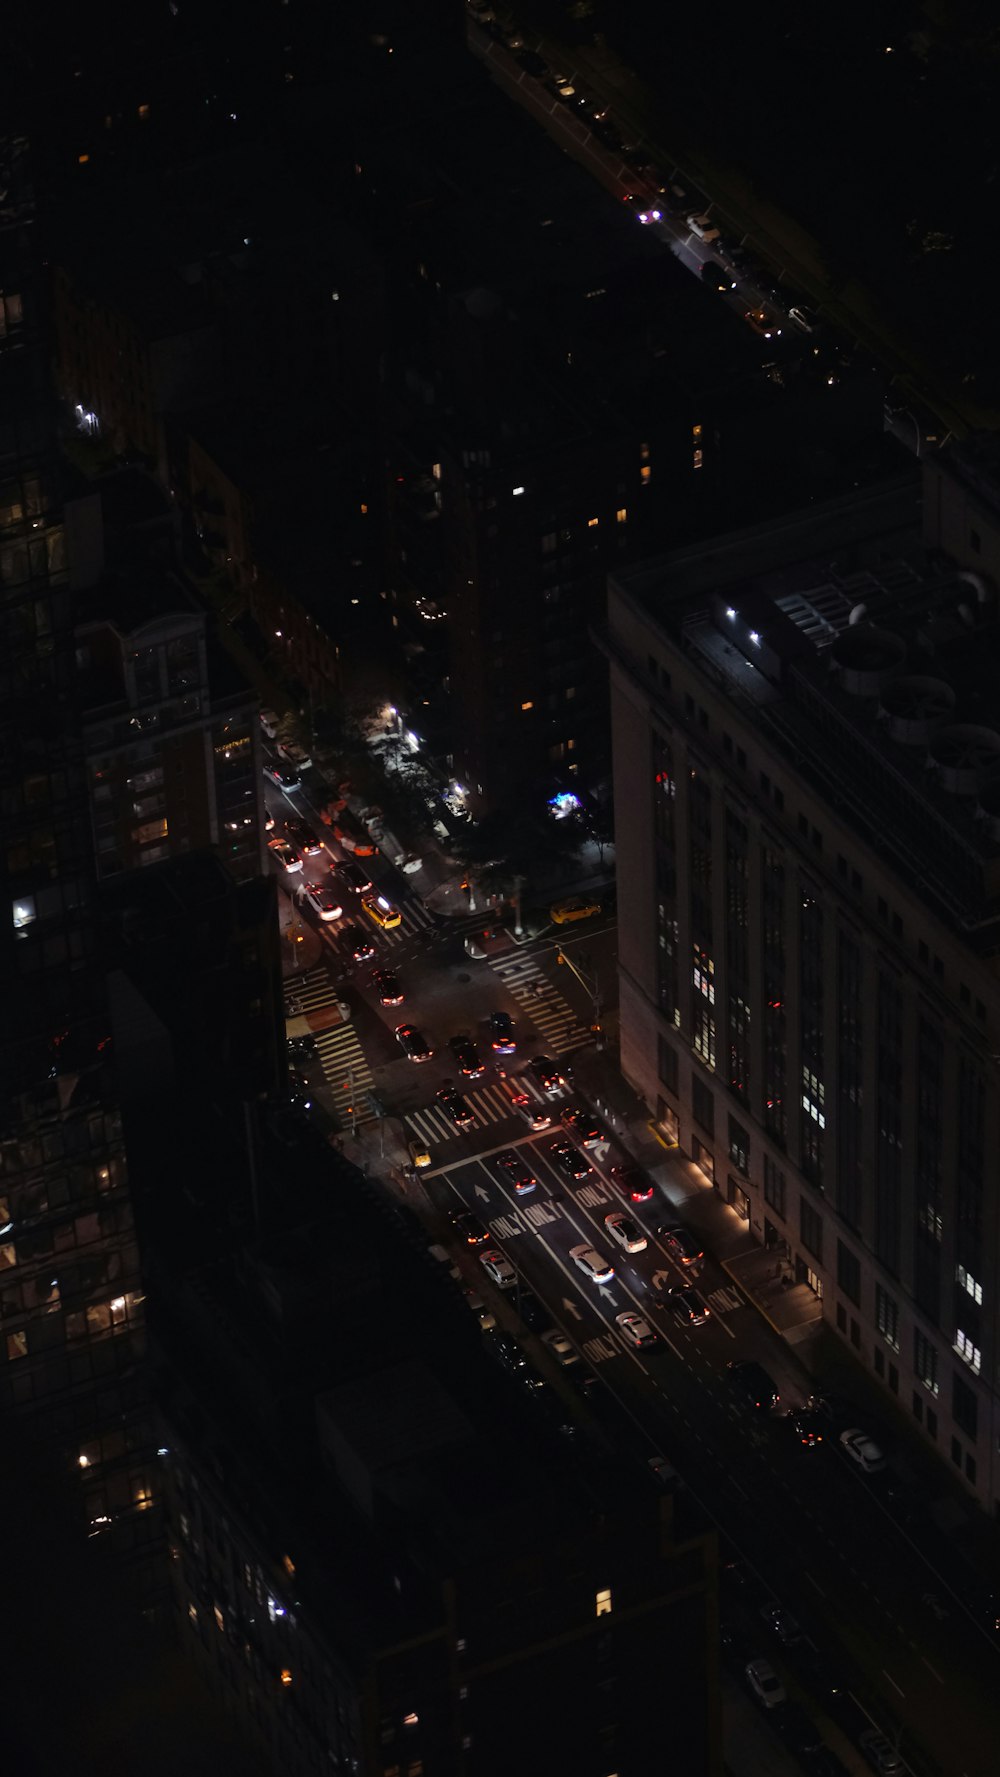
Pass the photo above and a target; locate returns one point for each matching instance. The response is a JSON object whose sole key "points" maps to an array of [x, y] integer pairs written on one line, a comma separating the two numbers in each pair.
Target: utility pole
{"points": [[591, 986]]}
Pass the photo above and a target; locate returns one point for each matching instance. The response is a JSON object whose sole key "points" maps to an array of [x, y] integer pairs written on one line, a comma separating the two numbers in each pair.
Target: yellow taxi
{"points": [[582, 907], [419, 1153], [382, 912]]}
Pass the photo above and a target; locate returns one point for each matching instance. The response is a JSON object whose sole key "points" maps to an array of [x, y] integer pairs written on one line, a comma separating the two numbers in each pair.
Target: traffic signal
{"points": [[559, 957]]}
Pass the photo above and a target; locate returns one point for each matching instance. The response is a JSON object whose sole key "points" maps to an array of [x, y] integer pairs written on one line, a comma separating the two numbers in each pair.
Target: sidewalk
{"points": [[301, 946]]}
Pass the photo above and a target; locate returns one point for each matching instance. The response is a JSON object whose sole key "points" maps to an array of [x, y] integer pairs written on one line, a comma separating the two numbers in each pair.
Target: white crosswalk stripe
{"points": [[597, 1351], [343, 1060], [546, 1008], [488, 1105]]}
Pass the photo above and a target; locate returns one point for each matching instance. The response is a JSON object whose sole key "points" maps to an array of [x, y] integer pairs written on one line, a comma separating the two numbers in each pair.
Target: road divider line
{"points": [[931, 1670], [892, 1681]]}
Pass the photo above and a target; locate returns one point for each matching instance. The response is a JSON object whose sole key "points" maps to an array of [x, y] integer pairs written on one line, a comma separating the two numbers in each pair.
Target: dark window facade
{"points": [[738, 952], [703, 960], [929, 1221], [702, 1105], [774, 1187], [664, 806], [810, 1228], [666, 1061], [850, 1090], [812, 1117], [739, 1147], [889, 1136], [964, 1407], [775, 1033], [849, 1273]]}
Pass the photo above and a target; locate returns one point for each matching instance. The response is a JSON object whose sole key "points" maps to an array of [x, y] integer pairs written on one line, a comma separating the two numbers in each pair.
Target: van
{"points": [[528, 1108]]}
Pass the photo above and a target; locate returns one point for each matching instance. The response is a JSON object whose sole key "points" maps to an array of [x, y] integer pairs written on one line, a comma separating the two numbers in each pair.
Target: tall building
{"points": [[71, 1298], [806, 734]]}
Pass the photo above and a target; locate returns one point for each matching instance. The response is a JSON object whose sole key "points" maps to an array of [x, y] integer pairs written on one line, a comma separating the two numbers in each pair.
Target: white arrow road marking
{"points": [[571, 1308], [659, 1278], [606, 1293], [483, 1194]]}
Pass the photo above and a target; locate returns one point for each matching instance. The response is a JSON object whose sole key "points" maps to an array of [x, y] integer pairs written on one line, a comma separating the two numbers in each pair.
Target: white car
{"points": [[269, 720], [765, 1683], [497, 1266], [637, 1331], [322, 900], [592, 1264], [627, 1233], [862, 1449], [560, 1347], [486, 1320], [703, 228], [880, 1753]]}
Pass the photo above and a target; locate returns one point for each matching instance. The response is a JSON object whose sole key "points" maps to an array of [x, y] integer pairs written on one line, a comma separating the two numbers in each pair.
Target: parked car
{"points": [[754, 1384], [499, 1267], [564, 1352], [701, 226], [717, 276], [285, 776], [765, 1683], [862, 1449]]}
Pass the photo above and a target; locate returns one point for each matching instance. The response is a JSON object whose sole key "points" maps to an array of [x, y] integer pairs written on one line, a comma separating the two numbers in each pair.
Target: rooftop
{"points": [[872, 666]]}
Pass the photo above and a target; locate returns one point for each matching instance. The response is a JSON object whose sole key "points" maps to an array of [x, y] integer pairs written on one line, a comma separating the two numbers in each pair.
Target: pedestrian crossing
{"points": [[347, 1072], [552, 1016], [488, 1104]]}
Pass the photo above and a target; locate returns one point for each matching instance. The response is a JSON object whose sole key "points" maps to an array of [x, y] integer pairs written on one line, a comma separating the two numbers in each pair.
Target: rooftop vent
{"points": [[964, 756], [867, 659], [913, 708]]}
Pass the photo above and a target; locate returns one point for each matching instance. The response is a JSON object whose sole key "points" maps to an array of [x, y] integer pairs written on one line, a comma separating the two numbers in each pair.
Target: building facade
{"points": [[806, 736]]}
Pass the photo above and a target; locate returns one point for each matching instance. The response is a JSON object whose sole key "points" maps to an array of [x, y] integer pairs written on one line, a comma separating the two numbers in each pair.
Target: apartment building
{"points": [[806, 735]]}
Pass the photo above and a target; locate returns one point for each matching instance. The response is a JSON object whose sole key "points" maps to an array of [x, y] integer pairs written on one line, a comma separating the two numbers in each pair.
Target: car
{"points": [[632, 1181], [304, 1045], [622, 1228], [765, 1683], [583, 1127], [284, 854], [546, 1072], [498, 1266], [322, 900], [700, 225], [799, 1731], [535, 1115], [687, 1306], [570, 1161], [413, 1044], [508, 1351], [358, 942], [803, 318], [763, 322], [302, 836], [473, 1231], [285, 776], [475, 1301], [651, 213], [592, 1263], [268, 821], [351, 876], [663, 1472], [387, 987], [782, 1624], [419, 1153], [455, 1106], [719, 277], [880, 1753], [561, 1348], [299, 1091], [635, 1330], [270, 722], [580, 907], [680, 1244], [384, 914], [296, 756], [533, 1312], [754, 1383], [862, 1449], [502, 1040], [466, 1056], [519, 1174], [808, 1427]]}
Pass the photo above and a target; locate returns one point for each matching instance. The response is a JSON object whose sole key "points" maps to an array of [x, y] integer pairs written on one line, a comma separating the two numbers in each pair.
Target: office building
{"points": [[806, 734]]}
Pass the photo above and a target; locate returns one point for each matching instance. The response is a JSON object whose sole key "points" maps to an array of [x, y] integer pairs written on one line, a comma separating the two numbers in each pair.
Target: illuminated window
{"points": [[699, 458], [17, 1345], [592, 523], [8, 1257], [622, 515], [411, 1720], [646, 475], [82, 159], [286, 1675], [644, 452], [696, 431], [143, 111], [436, 471], [570, 745], [149, 830], [517, 490], [364, 509], [220, 1621], [968, 1283], [603, 1603], [289, 1566], [528, 706], [967, 1350], [193, 1612], [24, 912]]}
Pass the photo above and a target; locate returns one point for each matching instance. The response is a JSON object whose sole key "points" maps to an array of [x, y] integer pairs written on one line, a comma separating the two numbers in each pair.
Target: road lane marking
{"points": [[815, 1583], [931, 1670], [892, 1681]]}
